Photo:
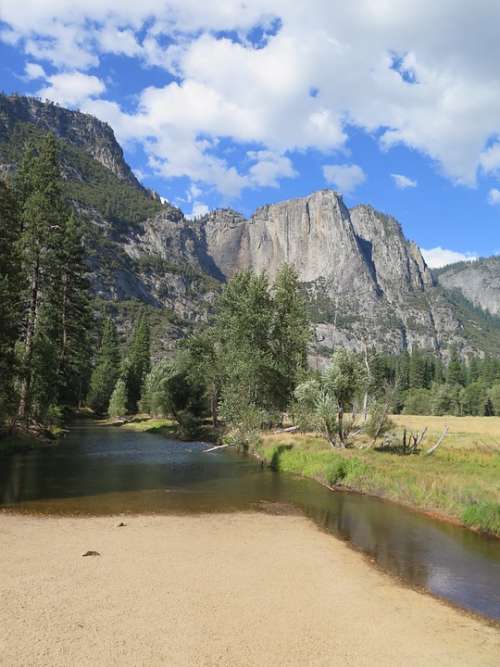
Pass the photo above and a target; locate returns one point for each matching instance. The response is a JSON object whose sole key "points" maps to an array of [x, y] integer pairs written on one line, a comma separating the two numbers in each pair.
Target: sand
{"points": [[228, 589]]}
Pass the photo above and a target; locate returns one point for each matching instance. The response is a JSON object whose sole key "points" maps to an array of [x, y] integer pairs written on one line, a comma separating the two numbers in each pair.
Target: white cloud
{"points": [[403, 182], [494, 196], [411, 71], [438, 257], [346, 177], [199, 209], [34, 71], [71, 88], [269, 167], [490, 159]]}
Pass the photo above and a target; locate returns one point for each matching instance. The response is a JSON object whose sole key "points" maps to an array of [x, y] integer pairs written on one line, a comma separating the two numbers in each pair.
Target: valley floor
{"points": [[227, 589]]}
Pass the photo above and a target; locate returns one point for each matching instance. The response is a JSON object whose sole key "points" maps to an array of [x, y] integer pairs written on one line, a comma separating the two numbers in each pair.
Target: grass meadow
{"points": [[459, 481]]}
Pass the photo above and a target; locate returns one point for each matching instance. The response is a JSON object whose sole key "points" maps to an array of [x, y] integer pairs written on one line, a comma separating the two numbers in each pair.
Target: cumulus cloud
{"points": [[199, 209], [403, 182], [71, 88], [34, 71], [345, 177], [269, 168], [490, 159], [494, 196], [407, 72], [438, 257]]}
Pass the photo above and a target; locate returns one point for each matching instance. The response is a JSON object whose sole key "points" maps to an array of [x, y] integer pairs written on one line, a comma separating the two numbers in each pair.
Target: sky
{"points": [[237, 103]]}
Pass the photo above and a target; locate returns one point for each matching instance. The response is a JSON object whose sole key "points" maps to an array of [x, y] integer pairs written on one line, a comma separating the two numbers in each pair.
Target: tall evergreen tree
{"points": [[56, 355], [75, 315], [11, 283], [42, 215], [138, 362], [106, 370], [455, 374]]}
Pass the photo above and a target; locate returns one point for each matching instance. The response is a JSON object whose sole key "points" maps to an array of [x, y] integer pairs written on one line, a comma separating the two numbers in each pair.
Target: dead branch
{"points": [[440, 440], [212, 449]]}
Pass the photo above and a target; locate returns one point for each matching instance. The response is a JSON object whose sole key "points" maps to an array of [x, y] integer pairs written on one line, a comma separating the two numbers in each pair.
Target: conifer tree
{"points": [[56, 355], [106, 370], [11, 282], [138, 362], [455, 374], [75, 315], [42, 218]]}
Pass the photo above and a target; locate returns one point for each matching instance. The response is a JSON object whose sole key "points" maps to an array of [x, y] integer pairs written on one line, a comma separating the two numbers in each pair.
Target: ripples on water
{"points": [[99, 470]]}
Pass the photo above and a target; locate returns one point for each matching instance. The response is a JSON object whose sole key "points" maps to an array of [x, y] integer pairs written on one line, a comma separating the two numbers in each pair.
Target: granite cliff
{"points": [[365, 283], [478, 281]]}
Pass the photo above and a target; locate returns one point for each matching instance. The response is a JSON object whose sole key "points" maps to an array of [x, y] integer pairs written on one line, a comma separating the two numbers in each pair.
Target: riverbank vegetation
{"points": [[242, 374], [456, 482]]}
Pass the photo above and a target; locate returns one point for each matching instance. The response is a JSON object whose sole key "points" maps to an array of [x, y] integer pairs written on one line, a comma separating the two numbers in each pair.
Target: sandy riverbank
{"points": [[239, 589]]}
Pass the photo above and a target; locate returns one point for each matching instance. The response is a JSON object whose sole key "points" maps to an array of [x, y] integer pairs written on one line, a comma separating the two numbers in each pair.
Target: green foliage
{"points": [[118, 401], [170, 390], [417, 402], [11, 286], [259, 339], [138, 362], [327, 399], [88, 182], [290, 333], [378, 423], [156, 396], [106, 369], [55, 351], [453, 483]]}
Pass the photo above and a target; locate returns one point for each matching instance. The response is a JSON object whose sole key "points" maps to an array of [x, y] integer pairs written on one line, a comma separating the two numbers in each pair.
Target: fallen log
{"points": [[212, 449], [440, 440]]}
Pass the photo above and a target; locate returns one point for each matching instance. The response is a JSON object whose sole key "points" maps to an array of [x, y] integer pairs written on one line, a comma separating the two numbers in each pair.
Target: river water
{"points": [[105, 470]]}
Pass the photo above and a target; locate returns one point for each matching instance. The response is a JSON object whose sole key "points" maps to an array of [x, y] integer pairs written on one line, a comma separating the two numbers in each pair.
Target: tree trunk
{"points": [[22, 412], [214, 407]]}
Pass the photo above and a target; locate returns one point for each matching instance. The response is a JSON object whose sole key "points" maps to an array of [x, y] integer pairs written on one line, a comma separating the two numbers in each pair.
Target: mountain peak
{"points": [[82, 130]]}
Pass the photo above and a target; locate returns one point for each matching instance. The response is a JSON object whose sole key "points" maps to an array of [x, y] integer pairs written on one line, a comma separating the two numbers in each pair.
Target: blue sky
{"points": [[245, 104]]}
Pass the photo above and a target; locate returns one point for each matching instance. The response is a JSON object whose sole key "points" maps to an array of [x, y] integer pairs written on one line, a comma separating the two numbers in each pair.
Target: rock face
{"points": [[366, 285], [81, 130], [478, 281]]}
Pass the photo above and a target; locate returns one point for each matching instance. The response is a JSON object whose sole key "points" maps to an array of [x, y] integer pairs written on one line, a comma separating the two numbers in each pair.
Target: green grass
{"points": [[167, 427], [458, 483]]}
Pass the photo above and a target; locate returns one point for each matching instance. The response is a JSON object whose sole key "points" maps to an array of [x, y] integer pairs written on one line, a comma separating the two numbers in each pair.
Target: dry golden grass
{"points": [[481, 433], [461, 480]]}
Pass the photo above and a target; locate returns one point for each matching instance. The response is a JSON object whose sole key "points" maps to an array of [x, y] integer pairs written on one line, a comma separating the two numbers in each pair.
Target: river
{"points": [[106, 470]]}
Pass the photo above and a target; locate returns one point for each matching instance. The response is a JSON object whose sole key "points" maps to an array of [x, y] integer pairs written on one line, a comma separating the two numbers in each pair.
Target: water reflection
{"points": [[108, 471]]}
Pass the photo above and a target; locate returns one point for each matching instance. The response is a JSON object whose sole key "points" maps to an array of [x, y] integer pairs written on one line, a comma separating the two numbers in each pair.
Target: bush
{"points": [[378, 423], [418, 402]]}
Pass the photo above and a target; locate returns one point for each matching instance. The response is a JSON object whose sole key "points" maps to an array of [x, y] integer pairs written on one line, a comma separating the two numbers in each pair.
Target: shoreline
{"points": [[270, 450], [215, 589]]}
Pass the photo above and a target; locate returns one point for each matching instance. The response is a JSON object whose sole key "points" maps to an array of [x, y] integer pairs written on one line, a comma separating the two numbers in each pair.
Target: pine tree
{"points": [[58, 318], [417, 370], [11, 283], [138, 362], [42, 217], [455, 374], [75, 316], [106, 370]]}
